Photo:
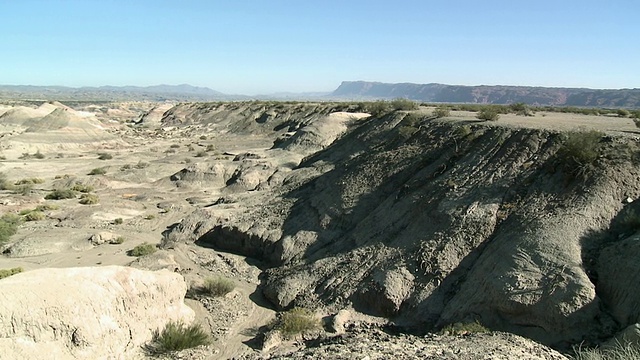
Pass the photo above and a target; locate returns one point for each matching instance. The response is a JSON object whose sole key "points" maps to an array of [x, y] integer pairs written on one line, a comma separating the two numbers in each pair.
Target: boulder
{"points": [[87, 313]]}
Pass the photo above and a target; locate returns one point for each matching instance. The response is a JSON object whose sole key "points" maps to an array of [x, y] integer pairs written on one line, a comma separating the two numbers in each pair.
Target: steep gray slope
{"points": [[452, 222]]}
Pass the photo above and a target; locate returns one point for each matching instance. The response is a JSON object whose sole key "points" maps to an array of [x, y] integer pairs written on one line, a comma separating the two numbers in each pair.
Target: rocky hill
{"points": [[628, 98], [450, 222]]}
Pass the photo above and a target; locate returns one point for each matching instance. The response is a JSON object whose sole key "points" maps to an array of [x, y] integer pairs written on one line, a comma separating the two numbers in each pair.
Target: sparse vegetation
{"points": [[119, 240], [217, 286], [47, 207], [98, 171], [580, 150], [82, 188], [203, 137], [441, 111], [60, 194], [464, 329], [9, 223], [174, 146], [201, 154], [34, 216], [150, 217], [105, 156], [488, 113], [618, 352], [8, 272], [126, 167], [623, 113], [142, 250], [210, 147], [118, 221], [29, 181], [296, 321], [403, 104], [177, 336], [89, 199]]}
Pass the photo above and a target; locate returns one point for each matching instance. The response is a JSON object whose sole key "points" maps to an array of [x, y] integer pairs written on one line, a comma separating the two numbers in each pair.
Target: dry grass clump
{"points": [[464, 328], [82, 188], [296, 321], [98, 171], [217, 286], [34, 216], [618, 352], [9, 223], [177, 336], [105, 156]]}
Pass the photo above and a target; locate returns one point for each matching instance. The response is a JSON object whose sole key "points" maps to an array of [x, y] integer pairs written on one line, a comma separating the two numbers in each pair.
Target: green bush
{"points": [[464, 329], [403, 104], [177, 336], [296, 321], [105, 156], [622, 113], [8, 272], [34, 216], [98, 171], [441, 111], [218, 286], [488, 113], [89, 199], [377, 108], [60, 194], [118, 240], [143, 249], [9, 223]]}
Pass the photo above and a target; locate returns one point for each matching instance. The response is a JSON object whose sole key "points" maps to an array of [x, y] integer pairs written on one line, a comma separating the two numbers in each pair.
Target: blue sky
{"points": [[260, 46]]}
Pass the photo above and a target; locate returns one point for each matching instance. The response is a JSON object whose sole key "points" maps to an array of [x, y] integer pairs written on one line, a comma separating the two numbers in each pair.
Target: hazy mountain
{"points": [[482, 94], [182, 92]]}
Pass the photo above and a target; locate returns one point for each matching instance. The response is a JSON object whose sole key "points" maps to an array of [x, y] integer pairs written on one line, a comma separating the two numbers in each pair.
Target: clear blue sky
{"points": [[265, 46]]}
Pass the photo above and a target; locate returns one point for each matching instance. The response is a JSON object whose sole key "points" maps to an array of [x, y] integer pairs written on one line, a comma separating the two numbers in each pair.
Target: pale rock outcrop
{"points": [[87, 313]]}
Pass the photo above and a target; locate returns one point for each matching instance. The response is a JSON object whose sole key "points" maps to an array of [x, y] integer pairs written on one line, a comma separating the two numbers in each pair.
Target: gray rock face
{"points": [[87, 313]]}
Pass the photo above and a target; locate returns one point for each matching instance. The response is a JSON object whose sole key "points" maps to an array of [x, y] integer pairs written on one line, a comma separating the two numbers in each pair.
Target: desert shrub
{"points": [[403, 104], [60, 194], [118, 221], [29, 181], [377, 108], [441, 111], [617, 352], [8, 272], [141, 164], [118, 240], [635, 114], [296, 321], [82, 188], [143, 249], [190, 148], [203, 137], [47, 207], [201, 154], [9, 223], [210, 147], [126, 167], [34, 216], [623, 113], [406, 132], [39, 155], [580, 150], [24, 189], [464, 329], [5, 184], [98, 171], [174, 146], [177, 336], [187, 161], [217, 286], [89, 199], [105, 156], [150, 217], [488, 113], [463, 131]]}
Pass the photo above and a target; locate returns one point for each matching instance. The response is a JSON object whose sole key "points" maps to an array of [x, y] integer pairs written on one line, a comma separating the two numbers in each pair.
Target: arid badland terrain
{"points": [[396, 231]]}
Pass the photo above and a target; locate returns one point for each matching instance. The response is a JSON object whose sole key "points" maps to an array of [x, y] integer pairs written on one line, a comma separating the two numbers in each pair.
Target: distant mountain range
{"points": [[627, 98], [182, 92], [348, 90]]}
